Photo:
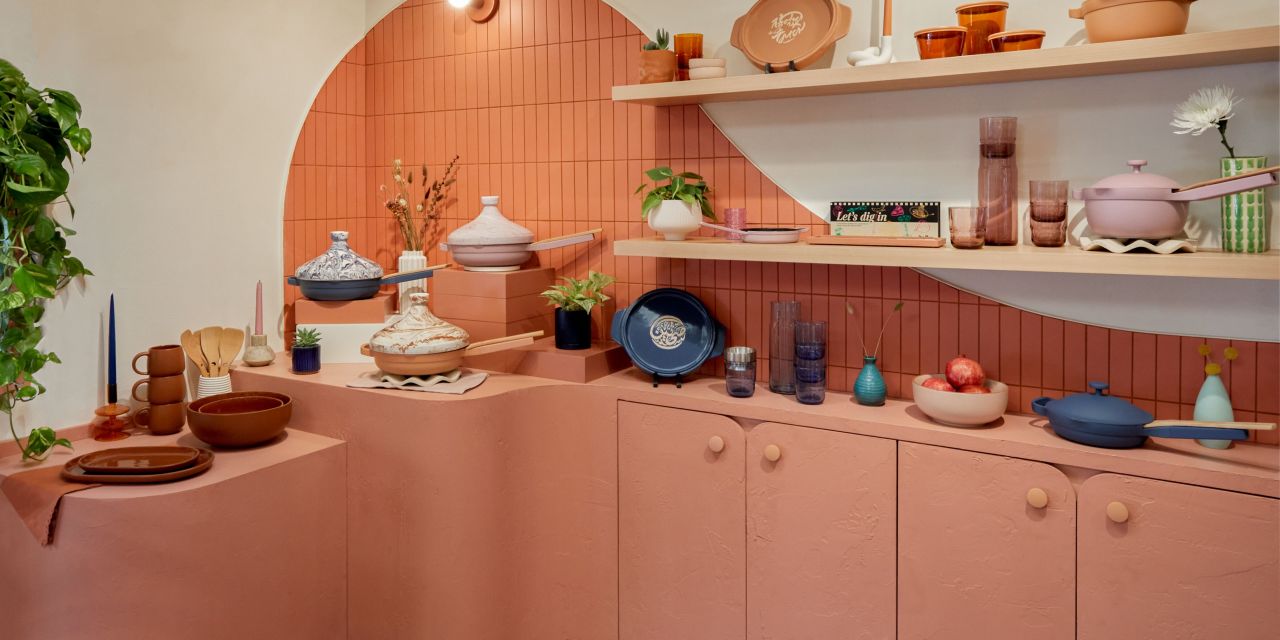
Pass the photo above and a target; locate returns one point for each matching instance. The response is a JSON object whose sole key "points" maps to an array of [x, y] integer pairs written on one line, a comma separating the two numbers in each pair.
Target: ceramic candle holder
{"points": [[259, 353]]}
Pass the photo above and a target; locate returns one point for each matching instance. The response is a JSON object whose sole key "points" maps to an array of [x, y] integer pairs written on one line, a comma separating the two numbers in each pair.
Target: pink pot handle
{"points": [[1225, 188]]}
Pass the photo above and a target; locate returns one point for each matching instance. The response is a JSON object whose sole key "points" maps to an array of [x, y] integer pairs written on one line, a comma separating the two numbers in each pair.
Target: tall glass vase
{"points": [[782, 346], [1244, 215]]}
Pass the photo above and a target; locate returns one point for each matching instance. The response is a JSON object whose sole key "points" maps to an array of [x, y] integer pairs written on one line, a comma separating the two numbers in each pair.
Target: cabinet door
{"points": [[681, 525], [975, 558], [1189, 562], [820, 534]]}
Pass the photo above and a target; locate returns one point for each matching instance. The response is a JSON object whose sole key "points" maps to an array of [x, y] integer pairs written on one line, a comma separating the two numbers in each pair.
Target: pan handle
{"points": [[293, 280], [566, 240], [1227, 186], [1206, 433], [1041, 405], [409, 276], [502, 344], [365, 350], [1248, 426]]}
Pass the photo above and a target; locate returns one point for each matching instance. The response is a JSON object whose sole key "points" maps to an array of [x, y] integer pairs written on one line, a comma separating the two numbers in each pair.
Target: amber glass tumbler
{"points": [[982, 19], [688, 47]]}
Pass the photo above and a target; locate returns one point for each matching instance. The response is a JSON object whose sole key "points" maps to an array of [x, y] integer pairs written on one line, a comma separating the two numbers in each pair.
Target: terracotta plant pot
{"points": [[1111, 20], [675, 219], [657, 66]]}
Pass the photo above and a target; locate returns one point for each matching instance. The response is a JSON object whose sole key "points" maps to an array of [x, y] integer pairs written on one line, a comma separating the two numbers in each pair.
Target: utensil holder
{"points": [[213, 386]]}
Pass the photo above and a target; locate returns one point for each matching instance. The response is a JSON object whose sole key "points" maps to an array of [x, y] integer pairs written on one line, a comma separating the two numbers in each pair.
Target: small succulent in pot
{"points": [[657, 62], [574, 301], [673, 209], [306, 351]]}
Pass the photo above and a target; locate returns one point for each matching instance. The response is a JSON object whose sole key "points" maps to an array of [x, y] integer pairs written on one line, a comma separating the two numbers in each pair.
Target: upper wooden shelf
{"points": [[1258, 44], [1204, 264]]}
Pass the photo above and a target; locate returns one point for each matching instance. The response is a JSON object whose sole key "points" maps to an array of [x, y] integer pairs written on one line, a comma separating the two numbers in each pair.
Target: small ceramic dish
{"points": [[956, 409], [706, 73], [138, 460], [1016, 40], [240, 418], [941, 42], [706, 63]]}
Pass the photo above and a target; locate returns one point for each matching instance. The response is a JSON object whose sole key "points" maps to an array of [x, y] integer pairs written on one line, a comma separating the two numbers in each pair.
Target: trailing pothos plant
{"points": [[39, 130]]}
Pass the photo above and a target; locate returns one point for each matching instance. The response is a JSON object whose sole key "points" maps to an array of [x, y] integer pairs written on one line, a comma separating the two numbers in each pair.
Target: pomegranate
{"points": [[937, 384], [963, 372], [975, 388]]}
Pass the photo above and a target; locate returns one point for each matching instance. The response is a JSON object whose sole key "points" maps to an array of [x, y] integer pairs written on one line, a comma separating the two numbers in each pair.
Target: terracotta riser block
{"points": [[480, 330], [511, 284], [544, 360], [253, 548], [505, 310], [372, 310]]}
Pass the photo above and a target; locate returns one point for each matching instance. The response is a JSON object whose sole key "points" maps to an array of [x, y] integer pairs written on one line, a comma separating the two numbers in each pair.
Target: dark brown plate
{"points": [[139, 460], [73, 472]]}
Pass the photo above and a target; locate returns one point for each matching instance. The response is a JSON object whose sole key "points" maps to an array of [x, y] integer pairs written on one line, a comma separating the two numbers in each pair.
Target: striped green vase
{"points": [[1244, 215]]}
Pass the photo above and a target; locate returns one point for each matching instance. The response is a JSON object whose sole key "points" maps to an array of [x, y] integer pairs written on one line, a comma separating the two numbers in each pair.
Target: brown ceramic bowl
{"points": [[239, 418], [1111, 20], [1016, 40], [941, 42]]}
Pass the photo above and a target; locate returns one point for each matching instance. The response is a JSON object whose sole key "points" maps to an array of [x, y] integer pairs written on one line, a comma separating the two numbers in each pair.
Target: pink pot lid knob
{"points": [[1137, 165]]}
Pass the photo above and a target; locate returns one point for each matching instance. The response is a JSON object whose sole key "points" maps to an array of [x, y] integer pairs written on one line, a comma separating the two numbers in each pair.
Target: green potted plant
{"points": [[306, 351], [39, 130], [675, 209], [574, 301], [657, 62]]}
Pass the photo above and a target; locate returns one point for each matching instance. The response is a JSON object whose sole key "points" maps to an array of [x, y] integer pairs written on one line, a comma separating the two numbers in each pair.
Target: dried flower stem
{"points": [[421, 231]]}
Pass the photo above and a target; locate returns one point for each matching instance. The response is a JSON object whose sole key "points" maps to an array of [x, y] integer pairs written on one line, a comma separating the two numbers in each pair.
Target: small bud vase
{"points": [[1244, 215], [869, 388], [1213, 405], [410, 261]]}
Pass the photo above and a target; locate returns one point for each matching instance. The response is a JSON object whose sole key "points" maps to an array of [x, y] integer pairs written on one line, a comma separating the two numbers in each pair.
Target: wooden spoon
{"points": [[210, 342], [191, 345], [229, 347]]}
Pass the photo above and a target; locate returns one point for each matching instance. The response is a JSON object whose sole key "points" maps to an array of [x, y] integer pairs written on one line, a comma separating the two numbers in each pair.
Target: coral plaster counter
{"points": [[253, 548]]}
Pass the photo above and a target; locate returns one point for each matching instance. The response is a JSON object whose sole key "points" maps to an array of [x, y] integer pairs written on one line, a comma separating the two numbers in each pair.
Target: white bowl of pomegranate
{"points": [[961, 397]]}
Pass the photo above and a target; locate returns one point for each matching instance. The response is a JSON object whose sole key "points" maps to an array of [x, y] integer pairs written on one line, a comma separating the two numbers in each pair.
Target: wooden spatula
{"points": [[210, 343], [229, 347], [191, 345]]}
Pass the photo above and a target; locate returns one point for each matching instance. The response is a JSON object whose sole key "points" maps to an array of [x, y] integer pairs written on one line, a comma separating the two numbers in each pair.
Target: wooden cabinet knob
{"points": [[772, 453], [1037, 498], [1117, 512], [715, 444]]}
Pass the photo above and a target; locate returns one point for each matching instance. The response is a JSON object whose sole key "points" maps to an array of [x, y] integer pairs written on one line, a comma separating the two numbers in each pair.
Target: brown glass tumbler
{"points": [[982, 19], [688, 47]]}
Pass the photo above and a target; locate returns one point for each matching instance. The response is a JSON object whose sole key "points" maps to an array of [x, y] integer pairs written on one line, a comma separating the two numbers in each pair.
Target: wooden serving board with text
{"points": [[877, 241]]}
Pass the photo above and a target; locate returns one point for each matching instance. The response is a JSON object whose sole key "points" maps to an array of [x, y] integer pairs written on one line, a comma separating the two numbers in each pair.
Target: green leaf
{"points": [[658, 174], [33, 286], [44, 230], [27, 164], [64, 114], [65, 98], [81, 140]]}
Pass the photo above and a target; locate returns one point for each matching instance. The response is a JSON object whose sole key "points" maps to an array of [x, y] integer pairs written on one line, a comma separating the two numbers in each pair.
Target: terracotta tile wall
{"points": [[525, 100]]}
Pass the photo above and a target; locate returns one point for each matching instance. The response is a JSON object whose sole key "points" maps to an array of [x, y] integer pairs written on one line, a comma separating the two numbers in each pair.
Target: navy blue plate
{"points": [[668, 332]]}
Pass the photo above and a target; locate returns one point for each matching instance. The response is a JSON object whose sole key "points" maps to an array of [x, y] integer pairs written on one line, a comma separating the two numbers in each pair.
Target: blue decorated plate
{"points": [[668, 332]]}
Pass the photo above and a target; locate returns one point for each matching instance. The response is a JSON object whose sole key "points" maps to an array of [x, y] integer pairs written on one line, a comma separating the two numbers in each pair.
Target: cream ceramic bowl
{"points": [[957, 409]]}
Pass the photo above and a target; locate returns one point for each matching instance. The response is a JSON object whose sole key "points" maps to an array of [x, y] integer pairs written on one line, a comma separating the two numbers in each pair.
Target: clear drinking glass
{"points": [[1048, 213], [811, 362], [735, 218], [782, 346], [998, 178], [968, 227], [740, 371]]}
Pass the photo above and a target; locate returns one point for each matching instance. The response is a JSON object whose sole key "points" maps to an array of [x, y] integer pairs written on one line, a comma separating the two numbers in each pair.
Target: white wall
{"points": [[916, 145], [195, 108]]}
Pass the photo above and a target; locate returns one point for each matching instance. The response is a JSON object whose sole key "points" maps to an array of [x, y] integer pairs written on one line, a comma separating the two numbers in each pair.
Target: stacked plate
{"points": [[138, 465]]}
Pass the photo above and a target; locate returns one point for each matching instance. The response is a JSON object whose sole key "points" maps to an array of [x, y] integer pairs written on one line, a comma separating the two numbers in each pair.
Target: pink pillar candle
{"points": [[257, 315]]}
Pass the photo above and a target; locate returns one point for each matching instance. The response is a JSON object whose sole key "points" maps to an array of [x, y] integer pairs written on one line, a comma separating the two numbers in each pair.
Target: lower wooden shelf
{"points": [[1203, 264]]}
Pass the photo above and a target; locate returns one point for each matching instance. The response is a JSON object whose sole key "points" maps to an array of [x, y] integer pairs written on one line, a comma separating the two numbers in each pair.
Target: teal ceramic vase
{"points": [[869, 388], [1214, 405], [1244, 215]]}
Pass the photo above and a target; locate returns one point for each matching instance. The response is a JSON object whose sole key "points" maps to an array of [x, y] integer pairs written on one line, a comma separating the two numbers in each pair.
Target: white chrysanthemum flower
{"points": [[1206, 109]]}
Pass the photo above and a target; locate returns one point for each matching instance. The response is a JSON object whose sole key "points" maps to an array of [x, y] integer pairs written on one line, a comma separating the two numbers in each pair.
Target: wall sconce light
{"points": [[477, 10]]}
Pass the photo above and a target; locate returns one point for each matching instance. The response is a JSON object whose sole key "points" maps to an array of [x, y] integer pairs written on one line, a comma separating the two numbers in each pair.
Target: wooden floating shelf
{"points": [[1258, 44], [1204, 264]]}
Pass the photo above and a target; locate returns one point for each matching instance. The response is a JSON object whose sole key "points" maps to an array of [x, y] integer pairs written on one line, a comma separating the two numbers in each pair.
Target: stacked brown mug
{"points": [[166, 389]]}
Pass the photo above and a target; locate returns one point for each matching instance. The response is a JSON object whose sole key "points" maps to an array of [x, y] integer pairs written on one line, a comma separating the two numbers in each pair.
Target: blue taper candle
{"points": [[111, 352]]}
